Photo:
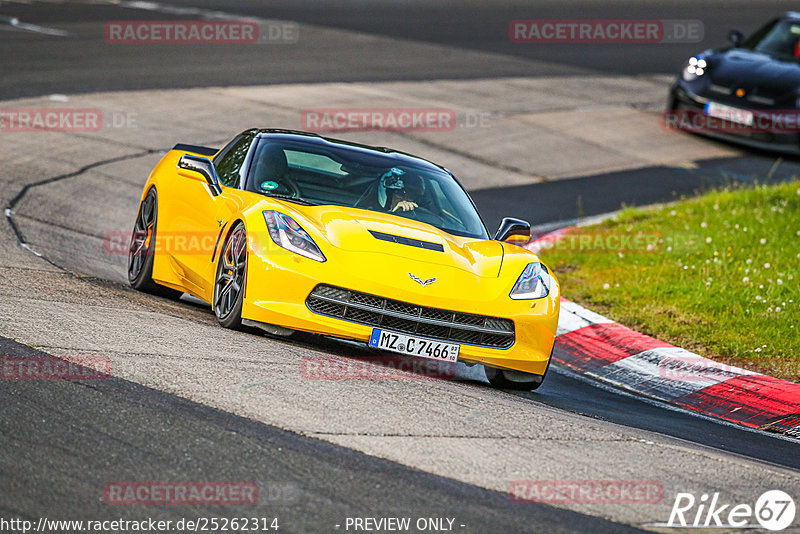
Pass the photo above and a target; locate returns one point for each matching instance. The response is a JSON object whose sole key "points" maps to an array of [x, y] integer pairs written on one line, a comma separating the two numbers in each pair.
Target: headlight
{"points": [[694, 68], [533, 283], [288, 234]]}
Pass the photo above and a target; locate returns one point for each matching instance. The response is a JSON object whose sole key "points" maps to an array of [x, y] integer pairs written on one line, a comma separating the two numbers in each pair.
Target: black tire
{"points": [[142, 250], [672, 102], [230, 278], [498, 379]]}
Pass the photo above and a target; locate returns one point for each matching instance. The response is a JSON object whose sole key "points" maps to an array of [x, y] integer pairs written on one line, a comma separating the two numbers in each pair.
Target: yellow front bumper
{"points": [[278, 285]]}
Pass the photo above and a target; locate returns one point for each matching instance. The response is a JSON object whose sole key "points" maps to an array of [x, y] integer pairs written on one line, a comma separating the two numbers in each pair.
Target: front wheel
{"points": [[516, 380], [230, 279]]}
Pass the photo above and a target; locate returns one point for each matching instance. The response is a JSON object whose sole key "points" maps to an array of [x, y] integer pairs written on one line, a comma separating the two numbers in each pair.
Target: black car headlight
{"points": [[533, 283], [695, 67], [289, 235]]}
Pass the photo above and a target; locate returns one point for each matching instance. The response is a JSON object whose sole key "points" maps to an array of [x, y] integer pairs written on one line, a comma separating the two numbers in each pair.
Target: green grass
{"points": [[721, 281]]}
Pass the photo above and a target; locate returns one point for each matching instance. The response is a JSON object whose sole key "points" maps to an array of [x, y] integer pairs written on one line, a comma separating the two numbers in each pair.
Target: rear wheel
{"points": [[230, 279], [142, 250]]}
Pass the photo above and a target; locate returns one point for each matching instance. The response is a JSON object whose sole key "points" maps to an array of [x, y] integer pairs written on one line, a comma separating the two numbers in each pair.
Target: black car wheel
{"points": [[516, 380], [142, 250], [230, 279]]}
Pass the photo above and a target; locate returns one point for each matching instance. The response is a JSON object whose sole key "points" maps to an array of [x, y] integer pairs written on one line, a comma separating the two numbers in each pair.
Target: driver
{"points": [[399, 190]]}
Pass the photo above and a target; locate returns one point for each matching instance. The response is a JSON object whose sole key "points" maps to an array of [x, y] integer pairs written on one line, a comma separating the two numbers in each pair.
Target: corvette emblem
{"points": [[421, 282]]}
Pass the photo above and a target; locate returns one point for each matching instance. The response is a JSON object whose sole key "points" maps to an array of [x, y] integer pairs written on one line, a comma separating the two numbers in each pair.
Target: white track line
{"points": [[17, 24]]}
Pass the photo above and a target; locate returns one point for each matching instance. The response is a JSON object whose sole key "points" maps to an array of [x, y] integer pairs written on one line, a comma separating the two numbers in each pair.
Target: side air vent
{"points": [[407, 241]]}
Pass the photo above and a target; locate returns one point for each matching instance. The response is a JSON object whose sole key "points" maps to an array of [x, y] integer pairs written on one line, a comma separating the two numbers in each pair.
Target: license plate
{"points": [[414, 346], [728, 113]]}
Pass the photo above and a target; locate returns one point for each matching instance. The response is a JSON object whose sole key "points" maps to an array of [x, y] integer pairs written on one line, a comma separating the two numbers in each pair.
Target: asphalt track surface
{"points": [[307, 484], [34, 65], [151, 429]]}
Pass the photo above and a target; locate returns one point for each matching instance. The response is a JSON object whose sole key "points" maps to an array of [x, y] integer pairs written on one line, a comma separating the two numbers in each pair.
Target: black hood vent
{"points": [[427, 245]]}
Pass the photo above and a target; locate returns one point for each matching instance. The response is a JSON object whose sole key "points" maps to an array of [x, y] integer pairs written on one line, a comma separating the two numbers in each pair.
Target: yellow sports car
{"points": [[287, 231]]}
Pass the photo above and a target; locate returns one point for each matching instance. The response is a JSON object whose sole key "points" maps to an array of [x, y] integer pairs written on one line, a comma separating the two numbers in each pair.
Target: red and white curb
{"points": [[596, 346]]}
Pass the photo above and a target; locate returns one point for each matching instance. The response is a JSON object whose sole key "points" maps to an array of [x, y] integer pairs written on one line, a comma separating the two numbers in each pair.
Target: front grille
{"points": [[731, 133], [408, 318]]}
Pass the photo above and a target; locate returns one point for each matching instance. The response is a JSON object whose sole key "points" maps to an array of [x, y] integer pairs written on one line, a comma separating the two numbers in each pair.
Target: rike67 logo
{"points": [[773, 510]]}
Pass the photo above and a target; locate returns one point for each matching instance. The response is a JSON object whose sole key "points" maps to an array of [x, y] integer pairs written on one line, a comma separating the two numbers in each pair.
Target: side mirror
{"points": [[510, 227], [735, 37], [205, 168]]}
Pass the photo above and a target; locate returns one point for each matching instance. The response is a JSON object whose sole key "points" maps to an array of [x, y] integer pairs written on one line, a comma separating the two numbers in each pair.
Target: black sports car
{"points": [[747, 93]]}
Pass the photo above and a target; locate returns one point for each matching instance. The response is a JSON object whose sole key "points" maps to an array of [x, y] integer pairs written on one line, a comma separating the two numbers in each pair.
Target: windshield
{"points": [[321, 173], [779, 38]]}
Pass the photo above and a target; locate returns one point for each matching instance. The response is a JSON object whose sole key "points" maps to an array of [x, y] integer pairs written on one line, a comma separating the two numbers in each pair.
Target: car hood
{"points": [[358, 230], [758, 74]]}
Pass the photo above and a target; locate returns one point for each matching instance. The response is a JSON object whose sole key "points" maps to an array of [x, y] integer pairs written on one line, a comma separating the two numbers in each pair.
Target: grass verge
{"points": [[717, 275]]}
